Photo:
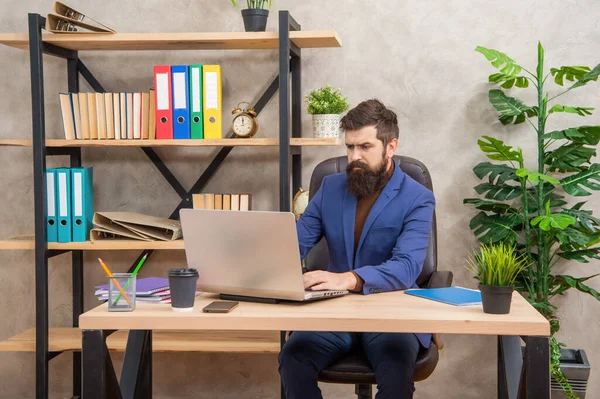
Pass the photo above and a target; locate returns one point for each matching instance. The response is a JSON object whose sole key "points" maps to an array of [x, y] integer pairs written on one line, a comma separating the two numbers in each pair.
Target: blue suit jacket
{"points": [[394, 238]]}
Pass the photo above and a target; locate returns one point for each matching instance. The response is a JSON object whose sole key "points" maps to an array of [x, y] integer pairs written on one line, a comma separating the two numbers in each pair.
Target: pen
{"points": [[139, 265], [109, 274]]}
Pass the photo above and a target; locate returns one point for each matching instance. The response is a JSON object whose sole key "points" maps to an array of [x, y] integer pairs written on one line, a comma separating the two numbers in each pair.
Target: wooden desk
{"points": [[386, 312]]}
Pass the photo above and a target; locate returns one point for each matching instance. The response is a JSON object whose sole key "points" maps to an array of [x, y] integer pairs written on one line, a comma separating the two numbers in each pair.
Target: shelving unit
{"points": [[28, 242], [66, 339], [254, 142], [178, 41], [288, 40]]}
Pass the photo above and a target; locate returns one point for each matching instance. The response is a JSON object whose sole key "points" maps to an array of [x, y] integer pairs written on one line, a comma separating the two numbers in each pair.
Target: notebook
{"points": [[457, 296], [143, 286]]}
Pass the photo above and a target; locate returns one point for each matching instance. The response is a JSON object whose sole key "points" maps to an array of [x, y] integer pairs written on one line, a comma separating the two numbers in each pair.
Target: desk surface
{"points": [[385, 312]]}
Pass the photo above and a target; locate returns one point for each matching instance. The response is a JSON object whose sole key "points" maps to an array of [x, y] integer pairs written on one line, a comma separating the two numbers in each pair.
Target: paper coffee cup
{"points": [[182, 283]]}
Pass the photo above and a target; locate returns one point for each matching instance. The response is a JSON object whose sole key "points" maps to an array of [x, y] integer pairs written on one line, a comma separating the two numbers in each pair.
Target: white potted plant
{"points": [[326, 106]]}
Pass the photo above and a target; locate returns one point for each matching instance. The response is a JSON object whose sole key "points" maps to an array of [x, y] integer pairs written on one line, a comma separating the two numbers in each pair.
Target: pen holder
{"points": [[121, 292]]}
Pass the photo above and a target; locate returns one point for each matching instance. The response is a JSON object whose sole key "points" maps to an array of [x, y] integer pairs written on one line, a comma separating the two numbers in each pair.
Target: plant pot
{"points": [[326, 126], [495, 299], [255, 19], [575, 366]]}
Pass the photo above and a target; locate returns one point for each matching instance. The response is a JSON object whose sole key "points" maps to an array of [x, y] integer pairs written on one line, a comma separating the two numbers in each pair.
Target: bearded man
{"points": [[376, 220]]}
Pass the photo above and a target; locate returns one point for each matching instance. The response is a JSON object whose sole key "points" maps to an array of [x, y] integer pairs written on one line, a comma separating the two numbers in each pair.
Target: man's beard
{"points": [[365, 181]]}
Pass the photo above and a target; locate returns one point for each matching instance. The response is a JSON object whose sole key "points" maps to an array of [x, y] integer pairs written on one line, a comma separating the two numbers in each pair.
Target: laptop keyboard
{"points": [[308, 293]]}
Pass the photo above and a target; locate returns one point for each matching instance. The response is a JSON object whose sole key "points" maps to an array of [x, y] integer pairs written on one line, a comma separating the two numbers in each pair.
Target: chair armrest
{"points": [[440, 279]]}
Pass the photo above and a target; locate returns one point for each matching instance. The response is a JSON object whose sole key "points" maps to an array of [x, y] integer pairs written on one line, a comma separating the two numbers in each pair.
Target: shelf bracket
{"points": [[55, 252], [57, 51], [89, 77]]}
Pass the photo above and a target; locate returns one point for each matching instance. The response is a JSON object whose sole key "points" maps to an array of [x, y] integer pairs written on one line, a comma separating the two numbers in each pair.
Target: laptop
{"points": [[247, 255]]}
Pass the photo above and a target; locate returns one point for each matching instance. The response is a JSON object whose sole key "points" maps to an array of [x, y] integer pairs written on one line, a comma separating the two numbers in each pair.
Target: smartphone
{"points": [[220, 307]]}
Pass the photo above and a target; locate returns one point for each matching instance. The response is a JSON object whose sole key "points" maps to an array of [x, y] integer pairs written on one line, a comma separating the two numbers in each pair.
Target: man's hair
{"points": [[373, 113]]}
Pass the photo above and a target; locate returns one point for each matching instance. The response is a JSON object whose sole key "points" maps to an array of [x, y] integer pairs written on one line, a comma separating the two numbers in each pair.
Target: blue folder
{"points": [[457, 296], [63, 186], [181, 101], [52, 203], [81, 201]]}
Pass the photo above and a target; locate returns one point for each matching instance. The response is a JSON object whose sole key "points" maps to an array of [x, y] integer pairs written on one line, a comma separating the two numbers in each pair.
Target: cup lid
{"points": [[186, 272]]}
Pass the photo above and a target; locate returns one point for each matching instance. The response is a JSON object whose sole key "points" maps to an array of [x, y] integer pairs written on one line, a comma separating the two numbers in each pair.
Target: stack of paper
{"points": [[149, 289], [132, 225]]}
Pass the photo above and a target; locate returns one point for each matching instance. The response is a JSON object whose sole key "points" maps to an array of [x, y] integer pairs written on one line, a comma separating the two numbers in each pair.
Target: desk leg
{"points": [[136, 376], [99, 379], [282, 341], [510, 364], [536, 384]]}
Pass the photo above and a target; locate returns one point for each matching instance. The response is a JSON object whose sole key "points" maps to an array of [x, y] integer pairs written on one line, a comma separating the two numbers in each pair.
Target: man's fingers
{"points": [[312, 282], [320, 287], [312, 278]]}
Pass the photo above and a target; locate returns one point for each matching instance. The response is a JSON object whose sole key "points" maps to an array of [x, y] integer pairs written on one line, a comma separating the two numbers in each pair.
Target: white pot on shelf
{"points": [[326, 126]]}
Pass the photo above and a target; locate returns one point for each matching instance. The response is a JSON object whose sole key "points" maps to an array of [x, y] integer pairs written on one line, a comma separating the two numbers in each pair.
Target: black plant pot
{"points": [[496, 300], [255, 19], [576, 367]]}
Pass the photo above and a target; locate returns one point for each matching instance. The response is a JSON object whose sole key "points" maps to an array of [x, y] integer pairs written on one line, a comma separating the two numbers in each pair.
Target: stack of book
{"points": [[108, 116], [148, 289], [225, 202], [186, 103]]}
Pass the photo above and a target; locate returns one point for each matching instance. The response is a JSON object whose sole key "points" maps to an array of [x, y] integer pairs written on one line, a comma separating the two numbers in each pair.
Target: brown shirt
{"points": [[363, 207]]}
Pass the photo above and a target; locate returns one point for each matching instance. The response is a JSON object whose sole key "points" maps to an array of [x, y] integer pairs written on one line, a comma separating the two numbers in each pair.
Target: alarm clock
{"points": [[244, 122]]}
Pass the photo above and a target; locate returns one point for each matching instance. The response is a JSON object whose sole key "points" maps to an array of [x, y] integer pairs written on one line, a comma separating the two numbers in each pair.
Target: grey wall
{"points": [[416, 56]]}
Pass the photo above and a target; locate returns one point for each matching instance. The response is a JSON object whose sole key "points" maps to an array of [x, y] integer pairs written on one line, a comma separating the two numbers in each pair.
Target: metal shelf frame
{"points": [[290, 164]]}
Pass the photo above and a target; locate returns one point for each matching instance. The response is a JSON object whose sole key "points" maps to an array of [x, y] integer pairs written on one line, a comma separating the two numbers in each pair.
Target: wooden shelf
{"points": [[28, 243], [174, 143], [69, 339], [177, 41]]}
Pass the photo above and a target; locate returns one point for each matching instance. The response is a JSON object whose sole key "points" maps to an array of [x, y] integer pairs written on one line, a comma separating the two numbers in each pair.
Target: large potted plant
{"points": [[497, 267], [255, 15], [529, 207], [326, 106]]}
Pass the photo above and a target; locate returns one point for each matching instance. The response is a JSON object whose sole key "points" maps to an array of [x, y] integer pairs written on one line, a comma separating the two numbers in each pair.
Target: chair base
{"points": [[364, 391]]}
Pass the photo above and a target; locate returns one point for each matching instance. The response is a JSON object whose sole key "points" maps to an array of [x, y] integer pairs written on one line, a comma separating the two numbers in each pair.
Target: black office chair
{"points": [[354, 368]]}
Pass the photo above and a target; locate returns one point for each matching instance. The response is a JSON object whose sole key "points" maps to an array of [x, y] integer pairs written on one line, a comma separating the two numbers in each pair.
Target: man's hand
{"points": [[322, 280]]}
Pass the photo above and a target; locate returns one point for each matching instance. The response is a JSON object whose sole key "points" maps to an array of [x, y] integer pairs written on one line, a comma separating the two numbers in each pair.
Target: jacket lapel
{"points": [[389, 191], [349, 216]]}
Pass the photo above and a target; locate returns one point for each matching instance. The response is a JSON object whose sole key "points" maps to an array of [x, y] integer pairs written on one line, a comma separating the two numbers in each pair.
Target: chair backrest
{"points": [[318, 257]]}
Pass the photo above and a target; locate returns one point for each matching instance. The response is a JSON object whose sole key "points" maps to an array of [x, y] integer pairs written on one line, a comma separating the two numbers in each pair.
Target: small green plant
{"points": [[496, 264], [255, 3], [326, 100]]}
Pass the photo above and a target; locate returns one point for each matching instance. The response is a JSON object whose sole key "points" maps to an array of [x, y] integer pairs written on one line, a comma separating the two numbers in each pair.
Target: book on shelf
{"points": [[226, 202], [185, 103], [134, 226], [108, 116]]}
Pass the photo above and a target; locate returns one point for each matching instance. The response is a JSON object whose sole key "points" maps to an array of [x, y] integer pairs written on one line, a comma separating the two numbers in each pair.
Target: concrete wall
{"points": [[416, 56]]}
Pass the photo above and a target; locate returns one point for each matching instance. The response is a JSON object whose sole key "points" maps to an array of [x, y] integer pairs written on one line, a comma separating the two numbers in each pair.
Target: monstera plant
{"points": [[532, 208]]}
